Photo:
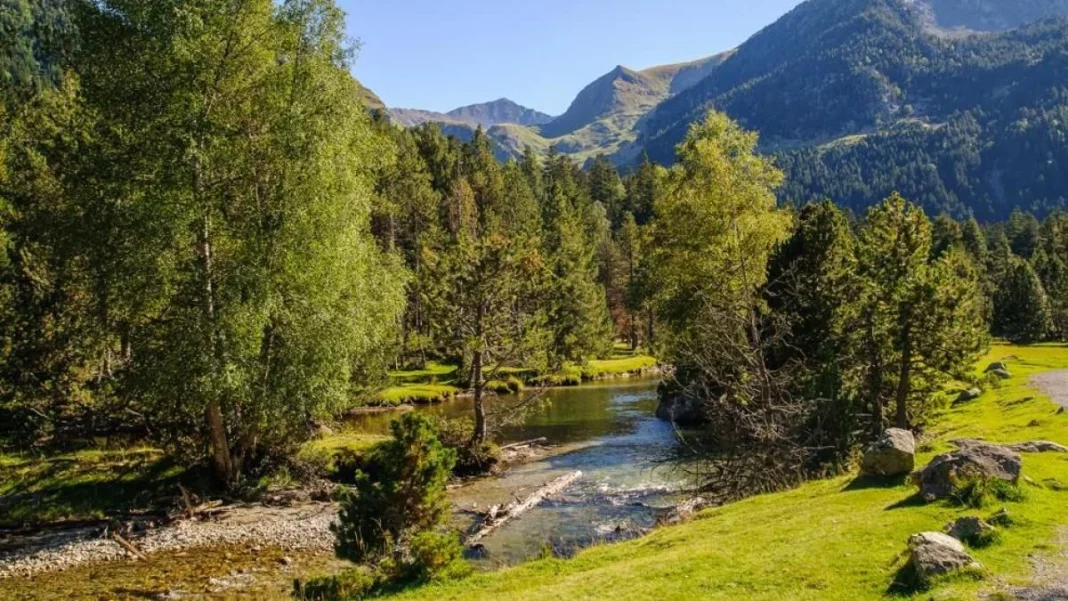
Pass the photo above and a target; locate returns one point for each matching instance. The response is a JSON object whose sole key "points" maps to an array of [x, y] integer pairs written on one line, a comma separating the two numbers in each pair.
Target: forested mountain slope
{"points": [[861, 97]]}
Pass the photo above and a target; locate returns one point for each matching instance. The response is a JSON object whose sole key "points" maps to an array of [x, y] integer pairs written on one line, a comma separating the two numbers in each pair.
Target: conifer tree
{"points": [[1021, 308]]}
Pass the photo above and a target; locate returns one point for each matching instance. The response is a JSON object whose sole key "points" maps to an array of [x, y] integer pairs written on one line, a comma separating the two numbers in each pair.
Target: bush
{"points": [[456, 434], [979, 492], [400, 492], [349, 585]]}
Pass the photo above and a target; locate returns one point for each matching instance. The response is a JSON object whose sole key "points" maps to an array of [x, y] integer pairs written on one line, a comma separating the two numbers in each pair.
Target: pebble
{"points": [[305, 528]]}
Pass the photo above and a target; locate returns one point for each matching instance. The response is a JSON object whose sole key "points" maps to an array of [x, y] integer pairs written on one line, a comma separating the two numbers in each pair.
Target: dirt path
{"points": [[1055, 384]]}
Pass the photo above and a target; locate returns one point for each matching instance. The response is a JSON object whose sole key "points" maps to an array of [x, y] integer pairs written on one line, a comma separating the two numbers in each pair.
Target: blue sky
{"points": [[441, 54]]}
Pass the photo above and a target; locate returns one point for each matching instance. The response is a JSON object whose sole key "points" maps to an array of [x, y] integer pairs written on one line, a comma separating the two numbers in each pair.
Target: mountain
{"points": [[623, 92], [369, 98], [497, 112], [858, 98], [486, 114]]}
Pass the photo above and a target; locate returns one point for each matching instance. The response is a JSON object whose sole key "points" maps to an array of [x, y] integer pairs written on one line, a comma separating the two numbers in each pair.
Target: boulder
{"points": [[969, 529], [894, 454], [974, 460], [683, 409], [968, 395], [1004, 374], [995, 366], [936, 554]]}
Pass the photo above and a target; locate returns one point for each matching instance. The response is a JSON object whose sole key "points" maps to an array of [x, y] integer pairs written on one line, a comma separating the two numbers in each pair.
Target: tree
{"points": [[717, 223], [918, 323], [577, 305], [399, 494], [811, 281], [1021, 308], [249, 167]]}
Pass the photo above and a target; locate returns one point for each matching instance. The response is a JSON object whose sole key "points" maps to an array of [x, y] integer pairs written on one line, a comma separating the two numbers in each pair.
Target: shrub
{"points": [[400, 492], [979, 492], [348, 585]]}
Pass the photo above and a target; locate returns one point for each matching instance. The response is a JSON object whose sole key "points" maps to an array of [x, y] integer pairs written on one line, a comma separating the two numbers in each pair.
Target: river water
{"points": [[609, 432]]}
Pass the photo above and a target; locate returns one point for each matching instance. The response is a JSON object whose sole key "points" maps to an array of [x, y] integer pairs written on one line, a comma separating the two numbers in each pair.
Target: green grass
{"points": [[836, 539], [87, 484], [433, 372], [325, 452], [416, 394]]}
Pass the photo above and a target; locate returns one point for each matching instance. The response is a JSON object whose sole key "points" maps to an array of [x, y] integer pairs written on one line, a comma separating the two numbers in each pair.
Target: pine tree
{"points": [[578, 308], [1021, 308]]}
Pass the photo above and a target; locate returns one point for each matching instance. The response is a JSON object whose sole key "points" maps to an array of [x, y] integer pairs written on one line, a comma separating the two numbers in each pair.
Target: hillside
{"points": [[369, 98], [860, 98], [838, 539]]}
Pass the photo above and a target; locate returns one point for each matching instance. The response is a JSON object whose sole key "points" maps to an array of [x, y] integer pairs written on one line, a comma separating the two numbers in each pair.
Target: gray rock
{"points": [[936, 554], [1004, 374], [894, 454], [968, 529], [968, 395], [976, 460], [683, 409], [1038, 446], [995, 366]]}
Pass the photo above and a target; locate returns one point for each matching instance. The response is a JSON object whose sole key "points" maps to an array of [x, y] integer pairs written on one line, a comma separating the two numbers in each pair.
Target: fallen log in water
{"points": [[497, 516]]}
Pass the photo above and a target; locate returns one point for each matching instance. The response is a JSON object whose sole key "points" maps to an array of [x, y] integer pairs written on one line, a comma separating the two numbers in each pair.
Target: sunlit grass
{"points": [[827, 540]]}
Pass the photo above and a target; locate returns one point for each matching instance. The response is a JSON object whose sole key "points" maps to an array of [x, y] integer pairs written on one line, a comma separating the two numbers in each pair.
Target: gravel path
{"points": [[305, 528], [1055, 384]]}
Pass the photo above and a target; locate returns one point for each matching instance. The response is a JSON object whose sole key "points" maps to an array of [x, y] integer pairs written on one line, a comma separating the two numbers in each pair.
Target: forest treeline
{"points": [[209, 243]]}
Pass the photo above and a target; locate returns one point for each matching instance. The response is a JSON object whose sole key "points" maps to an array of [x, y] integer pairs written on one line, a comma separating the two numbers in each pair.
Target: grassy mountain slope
{"points": [[369, 98], [831, 540]]}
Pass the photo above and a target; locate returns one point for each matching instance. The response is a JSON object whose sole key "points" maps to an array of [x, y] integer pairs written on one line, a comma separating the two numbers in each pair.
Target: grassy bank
{"points": [[838, 539], [439, 382]]}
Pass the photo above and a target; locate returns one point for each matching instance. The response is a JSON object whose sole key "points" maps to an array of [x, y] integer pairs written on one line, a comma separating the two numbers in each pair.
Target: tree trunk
{"points": [[479, 437], [904, 384], [220, 444], [875, 377]]}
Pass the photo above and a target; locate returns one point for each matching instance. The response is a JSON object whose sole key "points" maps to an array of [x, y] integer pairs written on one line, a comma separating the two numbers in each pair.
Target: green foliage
{"points": [[1021, 307], [979, 492], [717, 223], [400, 493]]}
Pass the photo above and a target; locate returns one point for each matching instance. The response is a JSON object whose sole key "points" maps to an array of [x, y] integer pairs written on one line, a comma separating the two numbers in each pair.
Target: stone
{"points": [[968, 529], [894, 454], [936, 554], [995, 366], [974, 459], [1038, 446], [285, 561], [1004, 374], [968, 395], [683, 409]]}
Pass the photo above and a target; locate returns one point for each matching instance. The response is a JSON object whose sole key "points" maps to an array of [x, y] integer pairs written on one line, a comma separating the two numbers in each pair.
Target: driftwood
{"points": [[498, 516], [525, 443], [125, 544]]}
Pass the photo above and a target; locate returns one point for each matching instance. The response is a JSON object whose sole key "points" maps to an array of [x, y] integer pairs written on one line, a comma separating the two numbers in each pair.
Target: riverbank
{"points": [[439, 382], [838, 539]]}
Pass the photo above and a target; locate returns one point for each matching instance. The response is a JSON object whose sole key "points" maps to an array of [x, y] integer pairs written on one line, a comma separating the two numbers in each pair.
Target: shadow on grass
{"points": [[907, 582], [868, 482], [59, 492], [916, 500]]}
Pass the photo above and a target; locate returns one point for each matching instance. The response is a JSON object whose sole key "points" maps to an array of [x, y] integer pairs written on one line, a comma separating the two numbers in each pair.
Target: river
{"points": [[606, 430]]}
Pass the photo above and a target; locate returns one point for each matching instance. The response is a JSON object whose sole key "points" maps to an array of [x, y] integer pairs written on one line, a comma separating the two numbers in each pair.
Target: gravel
{"points": [[1055, 384], [304, 528]]}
